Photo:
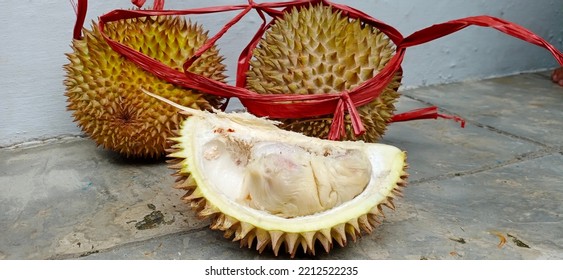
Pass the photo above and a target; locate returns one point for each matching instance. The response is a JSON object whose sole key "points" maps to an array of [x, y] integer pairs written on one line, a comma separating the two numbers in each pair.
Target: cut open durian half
{"points": [[275, 188]]}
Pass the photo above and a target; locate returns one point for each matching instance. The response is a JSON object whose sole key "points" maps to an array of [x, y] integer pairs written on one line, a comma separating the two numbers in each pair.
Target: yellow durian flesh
{"points": [[219, 156], [288, 181]]}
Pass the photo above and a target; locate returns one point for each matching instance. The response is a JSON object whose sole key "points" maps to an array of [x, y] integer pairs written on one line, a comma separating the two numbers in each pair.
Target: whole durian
{"points": [[278, 189], [103, 87], [316, 50]]}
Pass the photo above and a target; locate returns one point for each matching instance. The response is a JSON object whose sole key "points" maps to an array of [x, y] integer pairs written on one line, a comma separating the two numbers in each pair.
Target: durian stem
{"points": [[188, 110]]}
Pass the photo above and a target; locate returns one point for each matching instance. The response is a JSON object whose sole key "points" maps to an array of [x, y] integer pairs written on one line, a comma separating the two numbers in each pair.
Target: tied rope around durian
{"points": [[316, 50], [304, 106]]}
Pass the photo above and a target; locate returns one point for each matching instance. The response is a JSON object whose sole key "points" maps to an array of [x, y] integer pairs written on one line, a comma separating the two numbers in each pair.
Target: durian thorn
{"points": [[397, 192], [217, 222], [178, 174], [229, 222], [326, 242], [309, 238], [351, 232], [176, 165], [304, 245], [180, 178], [364, 223], [186, 198], [355, 227], [193, 195], [171, 150], [380, 212], [326, 232], [174, 160], [197, 203], [178, 154], [406, 166], [373, 220], [291, 243], [401, 184], [339, 234], [248, 240], [183, 186], [276, 240], [243, 230], [188, 110], [389, 203], [262, 239], [228, 233], [191, 182]]}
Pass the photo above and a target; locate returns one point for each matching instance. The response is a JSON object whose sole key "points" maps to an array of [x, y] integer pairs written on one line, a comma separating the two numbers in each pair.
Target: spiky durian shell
{"points": [[103, 88], [315, 50], [186, 159], [278, 241]]}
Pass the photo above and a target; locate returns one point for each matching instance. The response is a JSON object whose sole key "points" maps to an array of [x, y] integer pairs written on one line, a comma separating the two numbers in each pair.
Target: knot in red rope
{"points": [[338, 126]]}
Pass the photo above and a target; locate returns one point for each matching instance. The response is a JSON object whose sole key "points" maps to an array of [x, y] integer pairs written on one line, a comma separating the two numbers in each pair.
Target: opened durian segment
{"points": [[228, 158]]}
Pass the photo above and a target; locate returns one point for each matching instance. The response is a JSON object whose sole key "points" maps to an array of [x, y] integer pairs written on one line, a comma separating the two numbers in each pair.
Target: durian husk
{"points": [[262, 231], [317, 50], [102, 87], [278, 241]]}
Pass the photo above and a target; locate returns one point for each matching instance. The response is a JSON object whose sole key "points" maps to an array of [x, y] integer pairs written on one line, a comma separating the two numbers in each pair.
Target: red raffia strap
{"points": [[157, 5], [211, 42], [439, 30], [300, 106], [425, 113], [80, 9], [270, 105]]}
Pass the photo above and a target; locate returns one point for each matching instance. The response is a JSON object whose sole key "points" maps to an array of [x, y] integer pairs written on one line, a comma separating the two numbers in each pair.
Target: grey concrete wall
{"points": [[35, 35]]}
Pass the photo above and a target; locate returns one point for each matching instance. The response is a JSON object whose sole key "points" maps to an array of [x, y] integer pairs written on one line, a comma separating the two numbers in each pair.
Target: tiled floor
{"points": [[499, 178]]}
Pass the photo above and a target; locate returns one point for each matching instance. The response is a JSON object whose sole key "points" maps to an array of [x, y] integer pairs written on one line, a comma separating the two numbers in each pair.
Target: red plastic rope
{"points": [[439, 30], [425, 113], [157, 5], [308, 105], [270, 105], [80, 9]]}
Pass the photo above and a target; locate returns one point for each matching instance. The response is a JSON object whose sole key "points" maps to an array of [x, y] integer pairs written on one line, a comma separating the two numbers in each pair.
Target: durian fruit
{"points": [[272, 188], [103, 87], [316, 50]]}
